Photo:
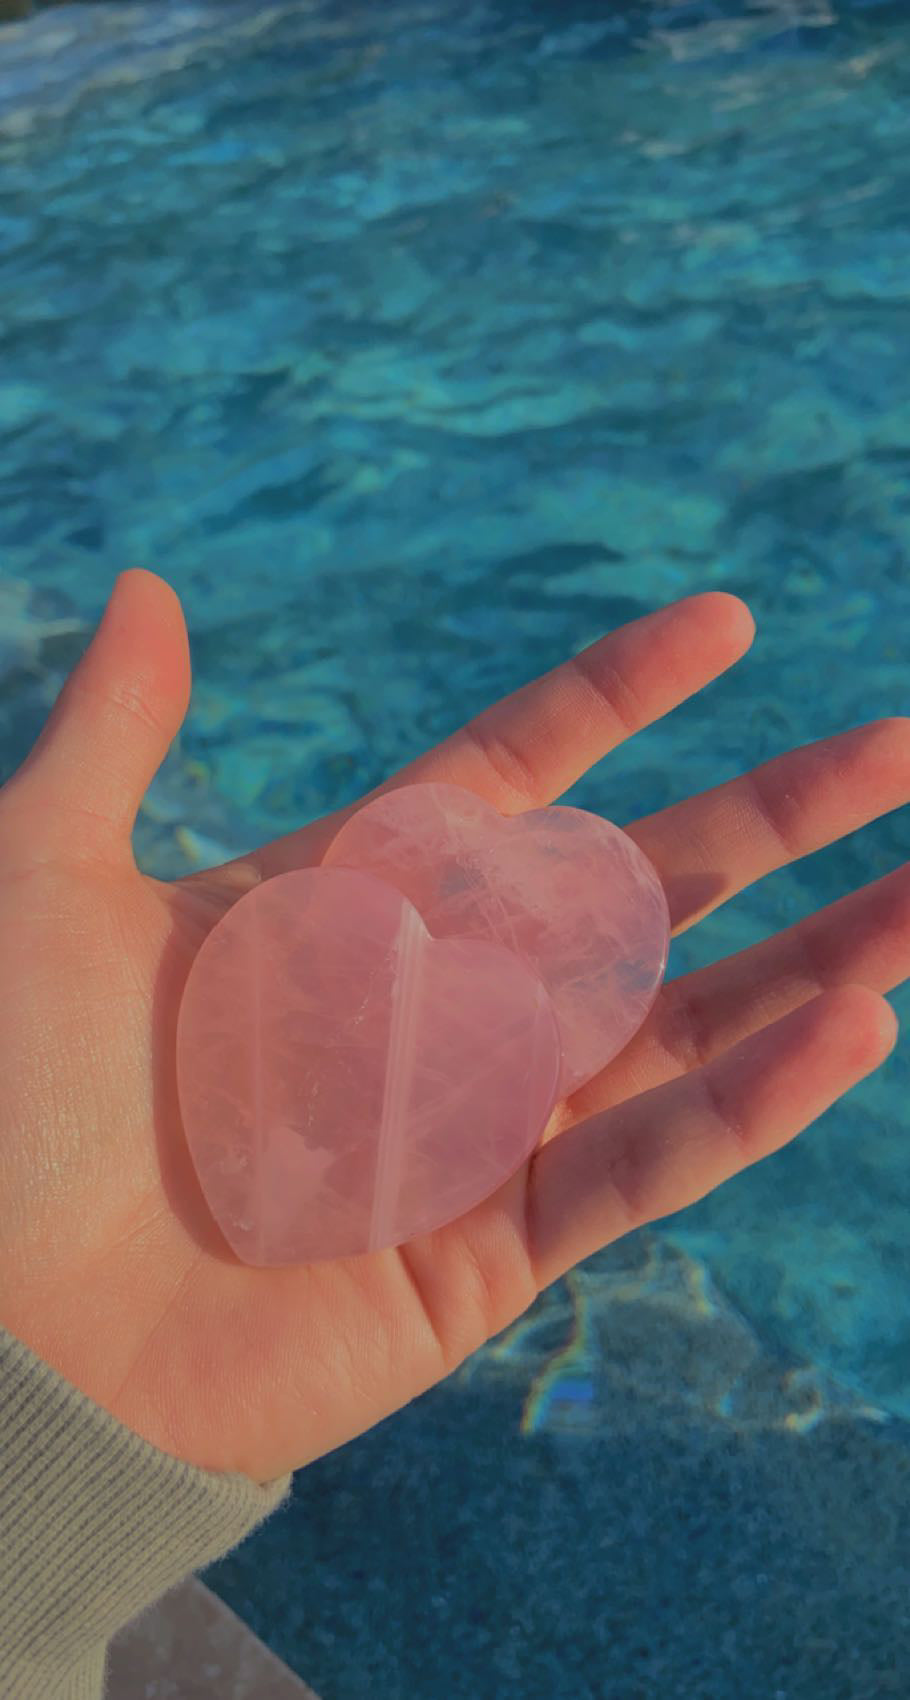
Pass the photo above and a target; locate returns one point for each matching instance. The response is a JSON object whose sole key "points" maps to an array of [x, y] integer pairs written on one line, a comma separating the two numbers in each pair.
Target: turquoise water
{"points": [[417, 346]]}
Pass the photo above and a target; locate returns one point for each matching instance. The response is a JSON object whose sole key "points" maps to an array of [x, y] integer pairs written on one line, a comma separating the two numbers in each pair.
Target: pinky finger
{"points": [[657, 1153]]}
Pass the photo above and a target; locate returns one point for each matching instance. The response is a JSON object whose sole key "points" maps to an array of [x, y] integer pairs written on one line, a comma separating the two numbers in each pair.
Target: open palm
{"points": [[111, 1267]]}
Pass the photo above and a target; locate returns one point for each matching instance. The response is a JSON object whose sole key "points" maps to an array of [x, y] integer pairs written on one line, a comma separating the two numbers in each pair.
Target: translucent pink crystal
{"points": [[566, 890], [345, 1080]]}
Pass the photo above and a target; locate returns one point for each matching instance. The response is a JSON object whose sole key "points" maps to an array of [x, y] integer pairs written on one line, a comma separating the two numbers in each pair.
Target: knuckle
{"points": [[506, 760], [613, 695], [776, 810]]}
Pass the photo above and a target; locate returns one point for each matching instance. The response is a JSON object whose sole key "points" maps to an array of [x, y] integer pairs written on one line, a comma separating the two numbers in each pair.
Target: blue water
{"points": [[417, 345]]}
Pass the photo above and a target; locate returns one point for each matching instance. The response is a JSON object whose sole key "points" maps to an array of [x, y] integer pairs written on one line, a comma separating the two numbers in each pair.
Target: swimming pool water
{"points": [[418, 345]]}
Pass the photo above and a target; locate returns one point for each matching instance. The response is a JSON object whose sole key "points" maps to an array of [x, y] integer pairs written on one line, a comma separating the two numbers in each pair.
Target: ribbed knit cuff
{"points": [[95, 1524]]}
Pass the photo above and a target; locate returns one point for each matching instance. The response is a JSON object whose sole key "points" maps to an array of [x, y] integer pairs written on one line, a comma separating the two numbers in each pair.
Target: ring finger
{"points": [[862, 939]]}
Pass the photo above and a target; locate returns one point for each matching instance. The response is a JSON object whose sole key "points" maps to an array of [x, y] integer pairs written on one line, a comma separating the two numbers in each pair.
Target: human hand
{"points": [[111, 1267]]}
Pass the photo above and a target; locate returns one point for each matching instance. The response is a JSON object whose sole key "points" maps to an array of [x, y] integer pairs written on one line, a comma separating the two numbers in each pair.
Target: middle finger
{"points": [[709, 847]]}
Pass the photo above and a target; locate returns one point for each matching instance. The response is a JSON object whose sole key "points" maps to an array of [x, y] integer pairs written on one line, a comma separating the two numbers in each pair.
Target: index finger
{"points": [[530, 747], [527, 749]]}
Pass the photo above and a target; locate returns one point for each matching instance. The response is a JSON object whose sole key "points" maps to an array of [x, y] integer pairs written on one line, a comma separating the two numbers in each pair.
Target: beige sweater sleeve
{"points": [[95, 1524]]}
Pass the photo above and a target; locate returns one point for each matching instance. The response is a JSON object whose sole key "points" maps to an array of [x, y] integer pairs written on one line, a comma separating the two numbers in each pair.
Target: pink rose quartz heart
{"points": [[568, 891], [345, 1080]]}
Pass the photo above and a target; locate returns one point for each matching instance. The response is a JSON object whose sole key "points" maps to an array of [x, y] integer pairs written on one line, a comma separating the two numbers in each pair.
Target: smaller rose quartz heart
{"points": [[568, 891], [345, 1080]]}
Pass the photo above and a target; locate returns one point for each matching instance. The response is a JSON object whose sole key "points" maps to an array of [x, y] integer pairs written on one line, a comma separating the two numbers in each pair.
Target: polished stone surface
{"points": [[345, 1080], [567, 890]]}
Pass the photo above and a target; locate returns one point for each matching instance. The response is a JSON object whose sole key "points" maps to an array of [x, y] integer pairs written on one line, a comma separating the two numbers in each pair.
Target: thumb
{"points": [[109, 730]]}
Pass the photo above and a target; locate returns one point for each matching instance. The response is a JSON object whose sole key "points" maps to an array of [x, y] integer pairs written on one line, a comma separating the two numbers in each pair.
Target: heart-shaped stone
{"points": [[346, 1081], [568, 891]]}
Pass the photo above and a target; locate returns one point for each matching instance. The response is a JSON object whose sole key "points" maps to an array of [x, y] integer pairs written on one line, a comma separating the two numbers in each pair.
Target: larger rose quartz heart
{"points": [[568, 891], [345, 1080]]}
